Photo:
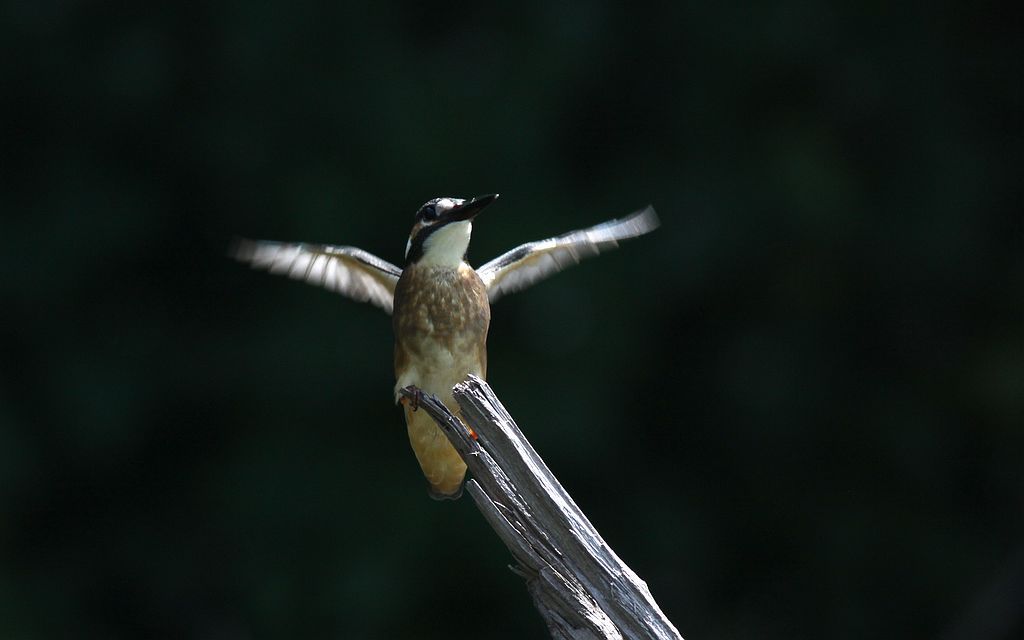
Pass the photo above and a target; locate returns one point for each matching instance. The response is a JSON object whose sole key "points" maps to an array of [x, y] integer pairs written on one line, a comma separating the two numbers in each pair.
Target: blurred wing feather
{"points": [[526, 264], [349, 271]]}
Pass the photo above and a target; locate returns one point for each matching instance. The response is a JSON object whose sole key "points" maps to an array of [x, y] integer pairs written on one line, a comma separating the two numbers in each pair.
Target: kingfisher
{"points": [[440, 306]]}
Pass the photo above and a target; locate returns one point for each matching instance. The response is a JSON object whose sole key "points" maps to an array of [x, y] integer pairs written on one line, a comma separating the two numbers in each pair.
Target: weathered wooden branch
{"points": [[578, 584]]}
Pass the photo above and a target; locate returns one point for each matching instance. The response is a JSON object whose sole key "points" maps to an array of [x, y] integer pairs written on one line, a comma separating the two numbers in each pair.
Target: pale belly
{"points": [[435, 368]]}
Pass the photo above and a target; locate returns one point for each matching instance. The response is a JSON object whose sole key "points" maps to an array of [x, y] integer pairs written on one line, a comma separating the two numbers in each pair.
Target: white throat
{"points": [[446, 246]]}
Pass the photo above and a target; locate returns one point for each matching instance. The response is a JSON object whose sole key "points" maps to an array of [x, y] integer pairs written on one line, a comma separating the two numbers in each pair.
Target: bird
{"points": [[440, 305]]}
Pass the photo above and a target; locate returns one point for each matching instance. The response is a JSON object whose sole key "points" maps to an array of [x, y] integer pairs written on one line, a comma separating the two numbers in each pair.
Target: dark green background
{"points": [[796, 410]]}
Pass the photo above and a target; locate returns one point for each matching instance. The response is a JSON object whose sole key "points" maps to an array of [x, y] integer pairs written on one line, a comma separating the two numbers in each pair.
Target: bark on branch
{"points": [[578, 584]]}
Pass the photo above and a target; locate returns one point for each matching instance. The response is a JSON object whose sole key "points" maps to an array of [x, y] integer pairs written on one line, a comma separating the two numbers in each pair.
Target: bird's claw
{"points": [[413, 402]]}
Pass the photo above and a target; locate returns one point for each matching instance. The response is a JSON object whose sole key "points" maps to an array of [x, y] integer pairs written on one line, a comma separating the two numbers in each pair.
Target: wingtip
{"points": [[649, 217], [640, 222]]}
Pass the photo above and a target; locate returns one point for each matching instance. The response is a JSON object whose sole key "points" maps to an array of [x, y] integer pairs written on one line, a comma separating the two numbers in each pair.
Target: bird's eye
{"points": [[430, 212]]}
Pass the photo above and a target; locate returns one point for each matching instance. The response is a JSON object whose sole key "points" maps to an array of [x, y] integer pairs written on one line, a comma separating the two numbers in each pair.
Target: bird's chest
{"points": [[439, 311]]}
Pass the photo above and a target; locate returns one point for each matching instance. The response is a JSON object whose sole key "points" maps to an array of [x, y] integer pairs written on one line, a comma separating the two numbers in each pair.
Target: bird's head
{"points": [[442, 228]]}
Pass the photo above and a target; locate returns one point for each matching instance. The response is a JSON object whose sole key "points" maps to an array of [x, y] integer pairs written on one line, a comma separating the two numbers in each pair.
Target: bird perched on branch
{"points": [[440, 304]]}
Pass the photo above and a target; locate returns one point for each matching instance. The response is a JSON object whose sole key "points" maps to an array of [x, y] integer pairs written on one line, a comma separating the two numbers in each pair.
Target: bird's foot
{"points": [[412, 402]]}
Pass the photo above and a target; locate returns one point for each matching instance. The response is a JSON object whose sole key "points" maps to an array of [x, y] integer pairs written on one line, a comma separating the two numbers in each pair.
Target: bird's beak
{"points": [[469, 210]]}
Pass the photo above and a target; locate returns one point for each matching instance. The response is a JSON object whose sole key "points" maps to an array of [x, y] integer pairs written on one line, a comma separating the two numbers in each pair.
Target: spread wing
{"points": [[526, 264], [347, 270]]}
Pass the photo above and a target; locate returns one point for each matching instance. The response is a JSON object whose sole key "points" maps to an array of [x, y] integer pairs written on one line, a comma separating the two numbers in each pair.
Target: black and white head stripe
{"points": [[426, 222], [433, 209]]}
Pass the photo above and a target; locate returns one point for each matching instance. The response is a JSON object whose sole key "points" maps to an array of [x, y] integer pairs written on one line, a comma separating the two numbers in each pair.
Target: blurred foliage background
{"points": [[796, 410]]}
